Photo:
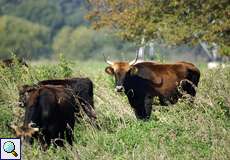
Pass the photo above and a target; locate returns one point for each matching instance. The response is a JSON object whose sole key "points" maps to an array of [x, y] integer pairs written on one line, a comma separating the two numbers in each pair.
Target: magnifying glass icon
{"points": [[9, 147]]}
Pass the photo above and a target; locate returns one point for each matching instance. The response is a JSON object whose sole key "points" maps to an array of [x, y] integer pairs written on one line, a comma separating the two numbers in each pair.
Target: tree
{"points": [[168, 21], [85, 43], [52, 13], [23, 38]]}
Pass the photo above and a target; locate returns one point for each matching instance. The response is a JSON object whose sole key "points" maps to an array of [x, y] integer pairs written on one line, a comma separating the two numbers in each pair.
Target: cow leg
{"points": [[58, 139], [69, 133], [140, 113], [148, 105], [164, 101], [45, 139], [138, 104], [174, 97], [69, 129], [69, 136], [56, 134], [43, 143], [189, 87]]}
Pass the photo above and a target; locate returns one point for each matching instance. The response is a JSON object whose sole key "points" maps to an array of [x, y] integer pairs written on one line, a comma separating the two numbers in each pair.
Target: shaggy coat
{"points": [[50, 109], [82, 89]]}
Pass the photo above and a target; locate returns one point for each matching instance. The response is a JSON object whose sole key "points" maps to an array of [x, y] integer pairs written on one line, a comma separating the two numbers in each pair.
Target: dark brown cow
{"points": [[82, 89], [12, 62], [144, 80], [51, 110]]}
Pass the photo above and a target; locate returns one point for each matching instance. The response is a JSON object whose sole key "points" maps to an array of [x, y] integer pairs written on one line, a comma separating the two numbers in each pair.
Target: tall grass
{"points": [[182, 131]]}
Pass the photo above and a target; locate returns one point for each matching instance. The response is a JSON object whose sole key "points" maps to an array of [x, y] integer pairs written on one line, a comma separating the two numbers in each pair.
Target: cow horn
{"points": [[35, 129], [134, 61], [107, 61]]}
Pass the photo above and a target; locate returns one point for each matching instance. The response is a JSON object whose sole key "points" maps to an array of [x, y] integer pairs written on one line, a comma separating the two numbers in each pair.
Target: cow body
{"points": [[145, 80], [82, 89], [51, 109], [162, 80]]}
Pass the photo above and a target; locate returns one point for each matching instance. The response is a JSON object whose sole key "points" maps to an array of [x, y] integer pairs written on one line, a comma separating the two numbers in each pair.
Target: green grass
{"points": [[182, 131]]}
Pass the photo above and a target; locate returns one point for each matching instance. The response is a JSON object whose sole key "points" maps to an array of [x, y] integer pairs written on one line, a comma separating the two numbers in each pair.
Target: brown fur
{"points": [[149, 79], [51, 109]]}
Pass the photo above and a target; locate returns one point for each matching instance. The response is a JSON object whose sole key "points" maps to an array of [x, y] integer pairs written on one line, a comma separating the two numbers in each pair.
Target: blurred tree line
{"points": [[173, 22], [33, 29]]}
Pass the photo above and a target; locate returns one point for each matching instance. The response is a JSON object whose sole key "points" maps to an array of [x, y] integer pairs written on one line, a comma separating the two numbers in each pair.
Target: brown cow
{"points": [[144, 80], [50, 109]]}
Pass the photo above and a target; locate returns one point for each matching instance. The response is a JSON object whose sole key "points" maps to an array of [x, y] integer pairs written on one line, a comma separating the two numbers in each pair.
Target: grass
{"points": [[182, 131]]}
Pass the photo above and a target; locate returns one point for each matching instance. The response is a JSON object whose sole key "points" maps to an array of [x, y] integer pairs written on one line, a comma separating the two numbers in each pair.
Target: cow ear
{"points": [[31, 88], [109, 70], [133, 70], [22, 87]]}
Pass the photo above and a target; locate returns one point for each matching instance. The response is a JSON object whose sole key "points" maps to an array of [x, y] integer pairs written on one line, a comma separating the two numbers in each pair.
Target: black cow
{"points": [[50, 109]]}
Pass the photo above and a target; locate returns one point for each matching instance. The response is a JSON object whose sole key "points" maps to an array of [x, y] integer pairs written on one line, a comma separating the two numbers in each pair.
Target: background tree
{"points": [[170, 21], [23, 38], [62, 27], [85, 43]]}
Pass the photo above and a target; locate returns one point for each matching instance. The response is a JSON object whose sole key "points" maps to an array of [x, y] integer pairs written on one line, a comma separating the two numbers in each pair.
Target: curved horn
{"points": [[33, 129], [134, 61], [107, 61]]}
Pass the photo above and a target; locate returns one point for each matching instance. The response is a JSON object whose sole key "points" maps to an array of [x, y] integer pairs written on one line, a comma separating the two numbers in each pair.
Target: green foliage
{"points": [[65, 66], [181, 131], [19, 75], [33, 29], [22, 37], [174, 21], [85, 43], [52, 13]]}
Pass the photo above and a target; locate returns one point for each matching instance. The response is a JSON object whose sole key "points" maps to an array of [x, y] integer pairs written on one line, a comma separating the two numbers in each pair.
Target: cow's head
{"points": [[25, 132], [28, 98], [119, 70], [24, 93]]}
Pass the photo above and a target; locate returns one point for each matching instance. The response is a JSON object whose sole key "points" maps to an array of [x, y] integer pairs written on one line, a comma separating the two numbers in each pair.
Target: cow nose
{"points": [[119, 89]]}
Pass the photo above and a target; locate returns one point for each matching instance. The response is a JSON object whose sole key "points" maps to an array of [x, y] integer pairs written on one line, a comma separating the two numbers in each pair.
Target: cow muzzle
{"points": [[119, 89]]}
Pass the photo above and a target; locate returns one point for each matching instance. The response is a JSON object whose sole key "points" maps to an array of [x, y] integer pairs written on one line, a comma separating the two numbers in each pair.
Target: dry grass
{"points": [[182, 131]]}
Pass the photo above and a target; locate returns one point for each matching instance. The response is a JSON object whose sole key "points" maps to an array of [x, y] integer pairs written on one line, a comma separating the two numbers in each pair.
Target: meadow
{"points": [[182, 131]]}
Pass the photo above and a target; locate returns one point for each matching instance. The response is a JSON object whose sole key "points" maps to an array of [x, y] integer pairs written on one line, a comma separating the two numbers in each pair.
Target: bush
{"points": [[22, 37]]}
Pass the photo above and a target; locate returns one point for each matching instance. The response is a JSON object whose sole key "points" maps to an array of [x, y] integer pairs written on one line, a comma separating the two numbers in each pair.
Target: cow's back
{"points": [[170, 74], [82, 87]]}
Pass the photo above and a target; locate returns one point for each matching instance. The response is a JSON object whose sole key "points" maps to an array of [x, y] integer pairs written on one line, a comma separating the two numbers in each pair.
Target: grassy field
{"points": [[182, 131]]}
